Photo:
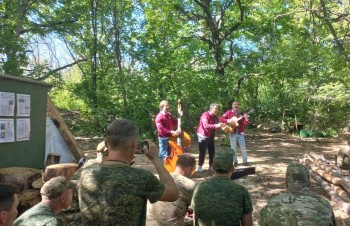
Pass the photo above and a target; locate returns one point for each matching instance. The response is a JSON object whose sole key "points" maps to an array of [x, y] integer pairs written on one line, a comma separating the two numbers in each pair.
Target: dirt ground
{"points": [[270, 153]]}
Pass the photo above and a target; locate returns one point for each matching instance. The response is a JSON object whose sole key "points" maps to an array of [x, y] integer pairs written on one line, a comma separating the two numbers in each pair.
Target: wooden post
{"points": [[52, 158]]}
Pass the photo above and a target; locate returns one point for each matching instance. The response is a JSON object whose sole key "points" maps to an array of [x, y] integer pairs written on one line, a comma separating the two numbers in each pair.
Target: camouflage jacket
{"points": [[173, 213], [71, 215], [220, 201], [297, 209], [38, 215], [116, 194]]}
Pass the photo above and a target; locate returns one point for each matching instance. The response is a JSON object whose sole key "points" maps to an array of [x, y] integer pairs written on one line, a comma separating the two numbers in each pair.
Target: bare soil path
{"points": [[270, 153]]}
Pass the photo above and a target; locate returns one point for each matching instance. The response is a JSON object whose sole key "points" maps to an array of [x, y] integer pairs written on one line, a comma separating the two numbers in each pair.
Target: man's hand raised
{"points": [[152, 151]]}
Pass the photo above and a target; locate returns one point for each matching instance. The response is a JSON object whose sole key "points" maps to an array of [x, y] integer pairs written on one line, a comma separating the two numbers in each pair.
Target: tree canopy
{"points": [[288, 60]]}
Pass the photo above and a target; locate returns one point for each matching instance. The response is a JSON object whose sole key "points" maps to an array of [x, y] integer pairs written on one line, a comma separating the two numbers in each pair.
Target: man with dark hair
{"points": [[298, 206], [173, 213], [56, 194], [8, 205], [220, 200], [113, 192], [208, 123]]}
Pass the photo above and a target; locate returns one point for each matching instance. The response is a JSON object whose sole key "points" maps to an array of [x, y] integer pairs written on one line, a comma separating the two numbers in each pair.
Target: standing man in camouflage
{"points": [[113, 192], [298, 206], [56, 194], [8, 204], [71, 216], [173, 213], [220, 200]]}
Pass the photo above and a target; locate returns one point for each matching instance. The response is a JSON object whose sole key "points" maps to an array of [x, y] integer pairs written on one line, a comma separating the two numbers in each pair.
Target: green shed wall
{"points": [[28, 153]]}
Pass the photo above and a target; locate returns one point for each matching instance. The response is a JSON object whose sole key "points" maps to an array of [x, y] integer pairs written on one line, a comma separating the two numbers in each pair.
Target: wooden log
{"points": [[20, 177], [316, 156], [303, 159], [340, 191], [38, 183], [333, 170], [334, 180], [64, 130], [344, 206], [65, 169], [29, 198], [329, 168]]}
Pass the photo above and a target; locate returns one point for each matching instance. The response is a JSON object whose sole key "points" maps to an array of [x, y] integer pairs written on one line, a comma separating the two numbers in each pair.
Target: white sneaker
{"points": [[199, 169]]}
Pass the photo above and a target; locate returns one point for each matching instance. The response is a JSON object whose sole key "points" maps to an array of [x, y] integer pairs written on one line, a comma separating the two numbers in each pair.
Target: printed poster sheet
{"points": [[6, 130], [23, 129], [23, 105], [7, 104]]}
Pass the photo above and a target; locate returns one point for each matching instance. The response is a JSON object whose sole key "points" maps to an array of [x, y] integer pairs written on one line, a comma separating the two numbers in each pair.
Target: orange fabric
{"points": [[175, 151]]}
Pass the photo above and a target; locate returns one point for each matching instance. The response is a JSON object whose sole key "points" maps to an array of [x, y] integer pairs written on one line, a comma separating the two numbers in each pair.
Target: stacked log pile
{"points": [[28, 181], [333, 182], [22, 178]]}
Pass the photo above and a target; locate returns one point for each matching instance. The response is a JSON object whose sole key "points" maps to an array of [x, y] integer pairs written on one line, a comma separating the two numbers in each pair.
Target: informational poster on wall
{"points": [[7, 104], [6, 130], [22, 129], [23, 105]]}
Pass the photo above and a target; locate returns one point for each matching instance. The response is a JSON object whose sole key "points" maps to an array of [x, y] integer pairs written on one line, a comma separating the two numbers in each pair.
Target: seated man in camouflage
{"points": [[173, 213], [298, 206], [219, 200], [56, 194]]}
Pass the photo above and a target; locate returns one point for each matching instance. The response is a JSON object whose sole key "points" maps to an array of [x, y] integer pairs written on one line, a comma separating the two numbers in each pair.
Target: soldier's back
{"points": [[297, 209]]}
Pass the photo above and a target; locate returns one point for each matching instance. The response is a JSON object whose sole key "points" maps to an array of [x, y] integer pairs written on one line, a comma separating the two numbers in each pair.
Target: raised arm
{"points": [[170, 193]]}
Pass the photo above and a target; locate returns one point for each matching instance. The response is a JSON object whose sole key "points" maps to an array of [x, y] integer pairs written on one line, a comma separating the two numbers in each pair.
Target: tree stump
{"points": [[65, 169], [20, 177], [38, 183], [27, 199]]}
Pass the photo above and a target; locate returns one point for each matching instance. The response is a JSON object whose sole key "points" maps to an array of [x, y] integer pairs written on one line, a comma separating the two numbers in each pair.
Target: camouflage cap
{"points": [[297, 177], [55, 187], [223, 159]]}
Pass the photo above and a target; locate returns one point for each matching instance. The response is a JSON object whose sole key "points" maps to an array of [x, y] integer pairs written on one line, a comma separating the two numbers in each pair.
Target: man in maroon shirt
{"points": [[230, 117], [166, 124], [208, 123]]}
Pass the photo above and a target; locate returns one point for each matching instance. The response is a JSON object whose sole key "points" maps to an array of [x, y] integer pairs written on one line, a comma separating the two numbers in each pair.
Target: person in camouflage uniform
{"points": [[173, 213], [56, 194], [71, 215], [113, 192], [297, 207], [220, 200]]}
